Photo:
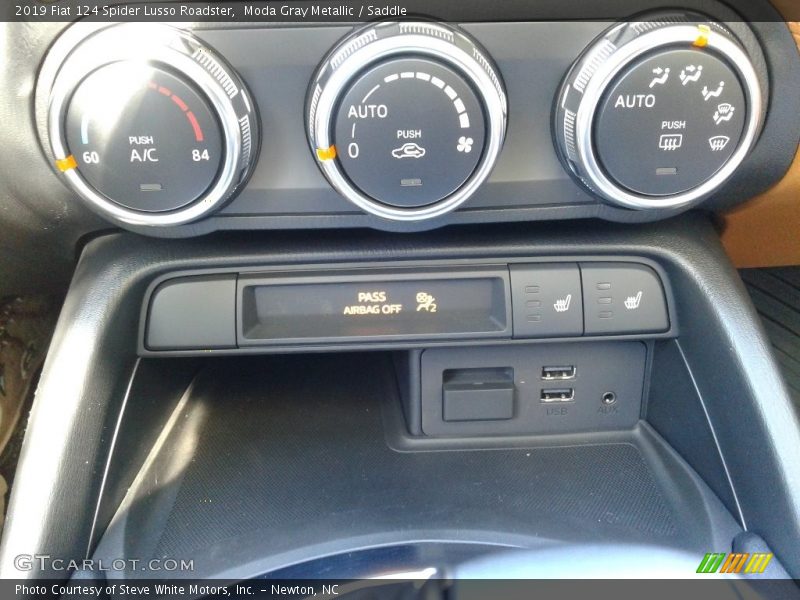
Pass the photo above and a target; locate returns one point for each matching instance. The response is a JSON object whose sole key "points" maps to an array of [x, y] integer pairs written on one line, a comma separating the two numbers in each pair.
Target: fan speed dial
{"points": [[407, 119]]}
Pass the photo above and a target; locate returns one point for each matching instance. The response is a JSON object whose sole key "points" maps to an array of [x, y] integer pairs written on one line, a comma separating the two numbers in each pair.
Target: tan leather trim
{"points": [[765, 232], [794, 27], [787, 8]]}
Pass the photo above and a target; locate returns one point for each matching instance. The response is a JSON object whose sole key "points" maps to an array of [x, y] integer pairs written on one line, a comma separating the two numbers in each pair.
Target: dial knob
{"points": [[407, 119], [150, 126], [659, 113]]}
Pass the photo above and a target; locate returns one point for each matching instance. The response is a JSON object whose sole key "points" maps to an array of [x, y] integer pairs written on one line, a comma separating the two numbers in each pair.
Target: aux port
{"points": [[609, 398]]}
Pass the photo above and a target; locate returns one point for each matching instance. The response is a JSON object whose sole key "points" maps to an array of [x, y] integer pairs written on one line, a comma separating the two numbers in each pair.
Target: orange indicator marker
{"points": [[702, 36], [326, 153], [65, 164]]}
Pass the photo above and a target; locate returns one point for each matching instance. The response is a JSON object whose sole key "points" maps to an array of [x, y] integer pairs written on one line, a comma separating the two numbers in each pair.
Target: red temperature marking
{"points": [[198, 133], [180, 103]]}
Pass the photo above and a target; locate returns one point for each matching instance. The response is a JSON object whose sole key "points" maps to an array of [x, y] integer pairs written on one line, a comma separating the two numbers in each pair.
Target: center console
{"points": [[436, 389]]}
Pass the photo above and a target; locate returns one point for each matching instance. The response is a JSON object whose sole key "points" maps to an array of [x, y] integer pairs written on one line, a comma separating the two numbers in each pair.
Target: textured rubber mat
{"points": [[273, 454], [776, 295]]}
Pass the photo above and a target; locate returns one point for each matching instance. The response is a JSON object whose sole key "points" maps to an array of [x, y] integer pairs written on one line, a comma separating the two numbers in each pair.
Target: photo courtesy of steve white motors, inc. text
{"points": [[180, 590]]}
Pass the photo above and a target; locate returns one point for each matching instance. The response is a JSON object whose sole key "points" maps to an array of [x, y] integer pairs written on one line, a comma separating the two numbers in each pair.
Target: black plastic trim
{"points": [[94, 350]]}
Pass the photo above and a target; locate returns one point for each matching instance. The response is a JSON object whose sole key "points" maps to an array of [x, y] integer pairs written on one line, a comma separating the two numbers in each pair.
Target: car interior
{"points": [[433, 291]]}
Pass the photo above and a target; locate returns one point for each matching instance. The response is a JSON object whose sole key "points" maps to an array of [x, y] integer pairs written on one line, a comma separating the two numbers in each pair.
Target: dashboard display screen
{"points": [[375, 308]]}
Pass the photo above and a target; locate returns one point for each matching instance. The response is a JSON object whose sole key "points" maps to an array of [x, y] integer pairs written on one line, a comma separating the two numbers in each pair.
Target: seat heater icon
{"points": [[562, 304], [632, 302]]}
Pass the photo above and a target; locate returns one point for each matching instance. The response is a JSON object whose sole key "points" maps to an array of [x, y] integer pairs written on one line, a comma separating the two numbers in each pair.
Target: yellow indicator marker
{"points": [[702, 36], [326, 153], [65, 164]]}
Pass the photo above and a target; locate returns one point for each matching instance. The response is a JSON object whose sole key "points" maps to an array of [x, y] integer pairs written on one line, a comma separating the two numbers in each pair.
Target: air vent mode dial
{"points": [[150, 126], [406, 119], [659, 113]]}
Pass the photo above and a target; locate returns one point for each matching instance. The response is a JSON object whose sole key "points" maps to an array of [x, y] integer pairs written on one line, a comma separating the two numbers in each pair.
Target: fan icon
{"points": [[465, 144]]}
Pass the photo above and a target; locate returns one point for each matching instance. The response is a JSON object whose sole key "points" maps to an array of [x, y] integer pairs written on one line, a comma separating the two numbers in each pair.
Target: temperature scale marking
{"points": [[198, 132], [458, 103], [369, 93], [190, 116]]}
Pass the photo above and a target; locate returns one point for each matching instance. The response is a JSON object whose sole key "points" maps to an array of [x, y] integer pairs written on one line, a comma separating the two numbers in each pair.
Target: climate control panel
{"points": [[155, 135], [411, 125], [659, 113]]}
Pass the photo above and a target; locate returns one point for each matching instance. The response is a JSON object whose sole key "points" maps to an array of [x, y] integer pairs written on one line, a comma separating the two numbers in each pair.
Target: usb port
{"points": [[553, 373], [557, 395]]}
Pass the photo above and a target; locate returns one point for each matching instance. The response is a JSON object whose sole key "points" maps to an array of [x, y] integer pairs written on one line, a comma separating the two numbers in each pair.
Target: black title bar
{"points": [[311, 11]]}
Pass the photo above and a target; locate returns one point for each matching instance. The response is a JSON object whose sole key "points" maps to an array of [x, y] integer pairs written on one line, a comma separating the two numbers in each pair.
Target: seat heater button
{"points": [[623, 298]]}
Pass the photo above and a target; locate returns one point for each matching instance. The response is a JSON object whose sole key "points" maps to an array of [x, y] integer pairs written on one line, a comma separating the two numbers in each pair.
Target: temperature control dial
{"points": [[407, 119], [156, 139], [658, 114]]}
